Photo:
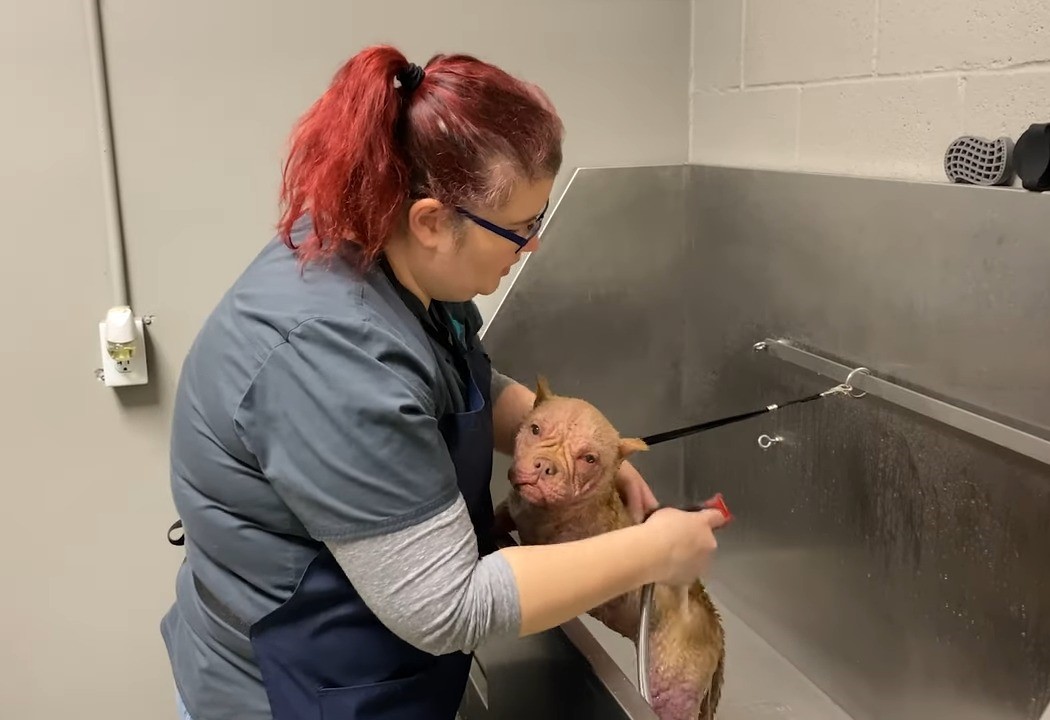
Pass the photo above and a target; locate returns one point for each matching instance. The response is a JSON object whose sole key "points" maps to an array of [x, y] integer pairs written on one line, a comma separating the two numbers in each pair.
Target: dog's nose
{"points": [[546, 466]]}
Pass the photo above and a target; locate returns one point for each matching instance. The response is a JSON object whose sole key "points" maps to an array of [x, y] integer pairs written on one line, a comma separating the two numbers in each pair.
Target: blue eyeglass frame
{"points": [[504, 232]]}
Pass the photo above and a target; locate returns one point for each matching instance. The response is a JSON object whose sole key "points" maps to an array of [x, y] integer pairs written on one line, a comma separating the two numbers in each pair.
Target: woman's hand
{"points": [[635, 492], [563, 580], [690, 542]]}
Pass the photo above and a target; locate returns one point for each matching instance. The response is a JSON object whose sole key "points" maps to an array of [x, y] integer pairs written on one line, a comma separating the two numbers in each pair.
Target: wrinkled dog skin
{"points": [[566, 457]]}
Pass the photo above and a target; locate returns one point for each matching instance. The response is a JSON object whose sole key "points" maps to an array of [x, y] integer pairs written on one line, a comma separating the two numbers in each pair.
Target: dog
{"points": [[566, 456]]}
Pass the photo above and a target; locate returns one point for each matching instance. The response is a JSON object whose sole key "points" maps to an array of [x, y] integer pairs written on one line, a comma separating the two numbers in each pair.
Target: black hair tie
{"points": [[411, 77]]}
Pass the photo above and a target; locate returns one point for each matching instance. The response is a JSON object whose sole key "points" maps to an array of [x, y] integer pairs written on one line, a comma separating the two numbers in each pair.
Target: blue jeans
{"points": [[183, 713]]}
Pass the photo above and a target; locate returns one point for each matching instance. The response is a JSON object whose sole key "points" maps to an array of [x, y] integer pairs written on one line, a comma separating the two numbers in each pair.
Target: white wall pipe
{"points": [[114, 224]]}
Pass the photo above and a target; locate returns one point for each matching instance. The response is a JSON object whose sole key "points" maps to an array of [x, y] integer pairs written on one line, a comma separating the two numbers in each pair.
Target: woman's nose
{"points": [[532, 245]]}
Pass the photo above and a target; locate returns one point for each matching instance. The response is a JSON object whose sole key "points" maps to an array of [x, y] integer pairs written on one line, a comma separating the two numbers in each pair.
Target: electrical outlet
{"points": [[121, 367]]}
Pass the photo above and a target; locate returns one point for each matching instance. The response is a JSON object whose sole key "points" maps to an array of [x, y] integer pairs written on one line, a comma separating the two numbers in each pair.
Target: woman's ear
{"points": [[429, 223]]}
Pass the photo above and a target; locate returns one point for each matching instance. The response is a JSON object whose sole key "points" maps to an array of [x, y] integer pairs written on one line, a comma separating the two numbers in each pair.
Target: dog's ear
{"points": [[629, 446], [543, 391]]}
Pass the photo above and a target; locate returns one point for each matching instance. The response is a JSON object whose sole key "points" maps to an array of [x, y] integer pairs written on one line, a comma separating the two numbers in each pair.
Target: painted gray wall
{"points": [[204, 95]]}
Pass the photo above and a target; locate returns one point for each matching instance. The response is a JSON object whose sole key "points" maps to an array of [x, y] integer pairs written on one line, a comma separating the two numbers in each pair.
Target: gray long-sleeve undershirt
{"points": [[427, 585]]}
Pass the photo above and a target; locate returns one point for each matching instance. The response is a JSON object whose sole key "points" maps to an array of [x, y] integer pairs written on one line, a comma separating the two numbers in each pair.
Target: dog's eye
{"points": [[590, 459], [535, 429]]}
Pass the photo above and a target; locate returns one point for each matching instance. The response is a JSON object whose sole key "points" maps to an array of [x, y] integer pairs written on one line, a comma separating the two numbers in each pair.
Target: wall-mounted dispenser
{"points": [[123, 341]]}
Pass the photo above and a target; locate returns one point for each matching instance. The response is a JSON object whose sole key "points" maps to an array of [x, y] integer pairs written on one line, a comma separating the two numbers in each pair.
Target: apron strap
{"points": [[176, 541]]}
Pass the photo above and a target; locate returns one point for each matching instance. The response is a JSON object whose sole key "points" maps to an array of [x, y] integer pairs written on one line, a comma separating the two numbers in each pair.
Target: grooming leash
{"points": [[844, 389], [715, 503]]}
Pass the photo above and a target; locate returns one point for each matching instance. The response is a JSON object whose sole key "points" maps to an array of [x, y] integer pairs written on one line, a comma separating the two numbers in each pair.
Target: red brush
{"points": [[716, 502]]}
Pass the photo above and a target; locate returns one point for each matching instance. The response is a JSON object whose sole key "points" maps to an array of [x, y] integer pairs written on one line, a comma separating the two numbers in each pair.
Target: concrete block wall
{"points": [[863, 87]]}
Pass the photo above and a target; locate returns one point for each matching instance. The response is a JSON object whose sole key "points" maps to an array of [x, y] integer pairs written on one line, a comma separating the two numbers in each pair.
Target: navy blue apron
{"points": [[325, 656]]}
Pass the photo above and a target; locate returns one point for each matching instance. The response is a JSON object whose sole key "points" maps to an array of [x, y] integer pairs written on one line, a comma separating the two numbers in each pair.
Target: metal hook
{"points": [[765, 442], [849, 384], [759, 346]]}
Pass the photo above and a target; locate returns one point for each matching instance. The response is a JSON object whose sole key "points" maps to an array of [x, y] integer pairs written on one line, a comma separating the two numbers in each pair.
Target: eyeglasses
{"points": [[519, 240]]}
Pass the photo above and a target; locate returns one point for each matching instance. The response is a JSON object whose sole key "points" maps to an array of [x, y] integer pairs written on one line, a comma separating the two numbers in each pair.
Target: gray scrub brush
{"points": [[979, 161]]}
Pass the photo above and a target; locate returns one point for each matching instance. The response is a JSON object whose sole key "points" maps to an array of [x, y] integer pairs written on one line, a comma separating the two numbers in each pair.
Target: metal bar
{"points": [[642, 646], [993, 431], [104, 125]]}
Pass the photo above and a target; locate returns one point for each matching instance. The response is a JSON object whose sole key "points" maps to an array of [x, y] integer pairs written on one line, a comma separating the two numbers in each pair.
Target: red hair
{"points": [[464, 136]]}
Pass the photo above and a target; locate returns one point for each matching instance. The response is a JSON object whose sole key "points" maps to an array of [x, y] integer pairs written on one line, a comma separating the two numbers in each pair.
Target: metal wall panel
{"points": [[899, 563], [599, 310]]}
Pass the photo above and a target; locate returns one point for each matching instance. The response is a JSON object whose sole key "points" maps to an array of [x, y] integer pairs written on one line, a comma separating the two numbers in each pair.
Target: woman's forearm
{"points": [[559, 582]]}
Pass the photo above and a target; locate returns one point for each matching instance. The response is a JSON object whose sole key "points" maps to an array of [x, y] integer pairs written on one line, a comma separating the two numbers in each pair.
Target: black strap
{"points": [[175, 526], [711, 424]]}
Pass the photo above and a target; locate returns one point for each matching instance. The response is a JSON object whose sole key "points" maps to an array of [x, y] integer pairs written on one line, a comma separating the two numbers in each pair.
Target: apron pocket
{"points": [[404, 698]]}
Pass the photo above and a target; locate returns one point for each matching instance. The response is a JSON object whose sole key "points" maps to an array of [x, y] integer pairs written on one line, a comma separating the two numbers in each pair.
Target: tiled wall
{"points": [[865, 87]]}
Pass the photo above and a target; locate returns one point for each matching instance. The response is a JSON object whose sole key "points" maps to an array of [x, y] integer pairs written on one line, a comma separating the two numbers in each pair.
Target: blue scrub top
{"points": [[307, 409]]}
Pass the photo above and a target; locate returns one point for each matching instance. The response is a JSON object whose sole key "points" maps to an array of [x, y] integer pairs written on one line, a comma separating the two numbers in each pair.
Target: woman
{"points": [[336, 416]]}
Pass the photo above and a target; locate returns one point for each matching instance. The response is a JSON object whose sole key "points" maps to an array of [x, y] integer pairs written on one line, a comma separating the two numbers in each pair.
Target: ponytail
{"points": [[344, 167]]}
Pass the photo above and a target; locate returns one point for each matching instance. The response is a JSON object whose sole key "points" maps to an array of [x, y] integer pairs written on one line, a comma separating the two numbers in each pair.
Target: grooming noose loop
{"points": [[764, 441], [849, 385]]}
